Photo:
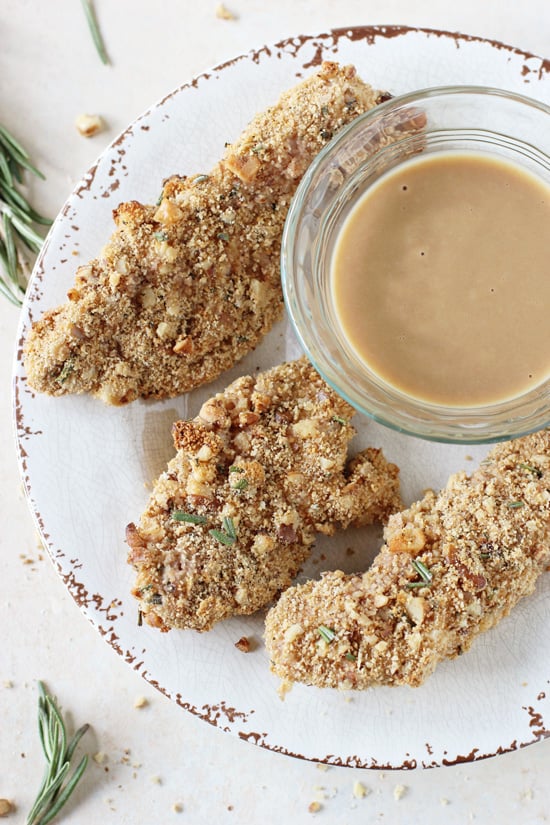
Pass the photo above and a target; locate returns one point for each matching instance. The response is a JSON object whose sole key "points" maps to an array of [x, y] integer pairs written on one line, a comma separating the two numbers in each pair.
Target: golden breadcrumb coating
{"points": [[257, 474], [451, 567], [185, 288]]}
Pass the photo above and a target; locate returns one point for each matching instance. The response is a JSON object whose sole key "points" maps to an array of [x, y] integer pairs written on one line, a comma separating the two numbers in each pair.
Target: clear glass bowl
{"points": [[478, 119]]}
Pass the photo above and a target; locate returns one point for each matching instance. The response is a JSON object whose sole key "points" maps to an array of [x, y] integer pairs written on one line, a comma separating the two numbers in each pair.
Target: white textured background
{"points": [[158, 756]]}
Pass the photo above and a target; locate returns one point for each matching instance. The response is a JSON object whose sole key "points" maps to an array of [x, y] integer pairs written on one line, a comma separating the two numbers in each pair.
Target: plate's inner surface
{"points": [[88, 468]]}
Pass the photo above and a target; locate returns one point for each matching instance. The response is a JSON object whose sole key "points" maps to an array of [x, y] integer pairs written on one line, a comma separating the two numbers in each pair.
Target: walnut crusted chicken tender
{"points": [[257, 474], [185, 288], [451, 567]]}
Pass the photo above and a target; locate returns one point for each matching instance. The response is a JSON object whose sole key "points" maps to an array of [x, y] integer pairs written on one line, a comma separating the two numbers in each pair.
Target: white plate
{"points": [[86, 466]]}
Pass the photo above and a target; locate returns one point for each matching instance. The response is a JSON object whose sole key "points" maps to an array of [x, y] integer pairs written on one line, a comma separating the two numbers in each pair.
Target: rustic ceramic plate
{"points": [[87, 468]]}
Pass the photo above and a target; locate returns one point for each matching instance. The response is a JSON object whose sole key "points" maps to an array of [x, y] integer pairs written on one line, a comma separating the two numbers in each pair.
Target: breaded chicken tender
{"points": [[185, 288], [257, 474], [451, 567]]}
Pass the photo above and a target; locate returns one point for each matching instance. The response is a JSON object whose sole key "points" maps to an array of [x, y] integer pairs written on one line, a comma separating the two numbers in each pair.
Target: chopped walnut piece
{"points": [[223, 13], [89, 125], [183, 346], [245, 167], [243, 644], [168, 213], [409, 540]]}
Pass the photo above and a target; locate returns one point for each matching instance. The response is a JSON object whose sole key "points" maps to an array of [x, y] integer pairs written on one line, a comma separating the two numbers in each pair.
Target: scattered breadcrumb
{"points": [[6, 807], [89, 125], [284, 688], [100, 757], [322, 766], [359, 790], [7, 683], [399, 791], [243, 644], [156, 780], [314, 807], [223, 13], [141, 702], [177, 807], [527, 794], [444, 801], [125, 759]]}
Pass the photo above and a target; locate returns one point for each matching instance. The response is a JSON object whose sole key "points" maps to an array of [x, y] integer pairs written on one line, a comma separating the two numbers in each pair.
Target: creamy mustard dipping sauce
{"points": [[441, 279]]}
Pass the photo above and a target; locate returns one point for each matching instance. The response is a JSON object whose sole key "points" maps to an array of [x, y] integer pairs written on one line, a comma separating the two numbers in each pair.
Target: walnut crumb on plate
{"points": [[6, 807], [223, 13], [243, 644], [89, 125], [359, 790]]}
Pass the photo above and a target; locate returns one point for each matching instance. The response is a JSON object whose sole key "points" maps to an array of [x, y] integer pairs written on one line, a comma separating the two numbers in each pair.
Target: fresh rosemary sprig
{"points": [[56, 786], [17, 218], [94, 30]]}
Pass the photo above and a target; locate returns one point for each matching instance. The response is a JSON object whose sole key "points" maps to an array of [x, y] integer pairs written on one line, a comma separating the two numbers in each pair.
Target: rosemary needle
{"points": [[228, 535], [327, 633], [56, 786], [17, 219], [94, 30]]}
